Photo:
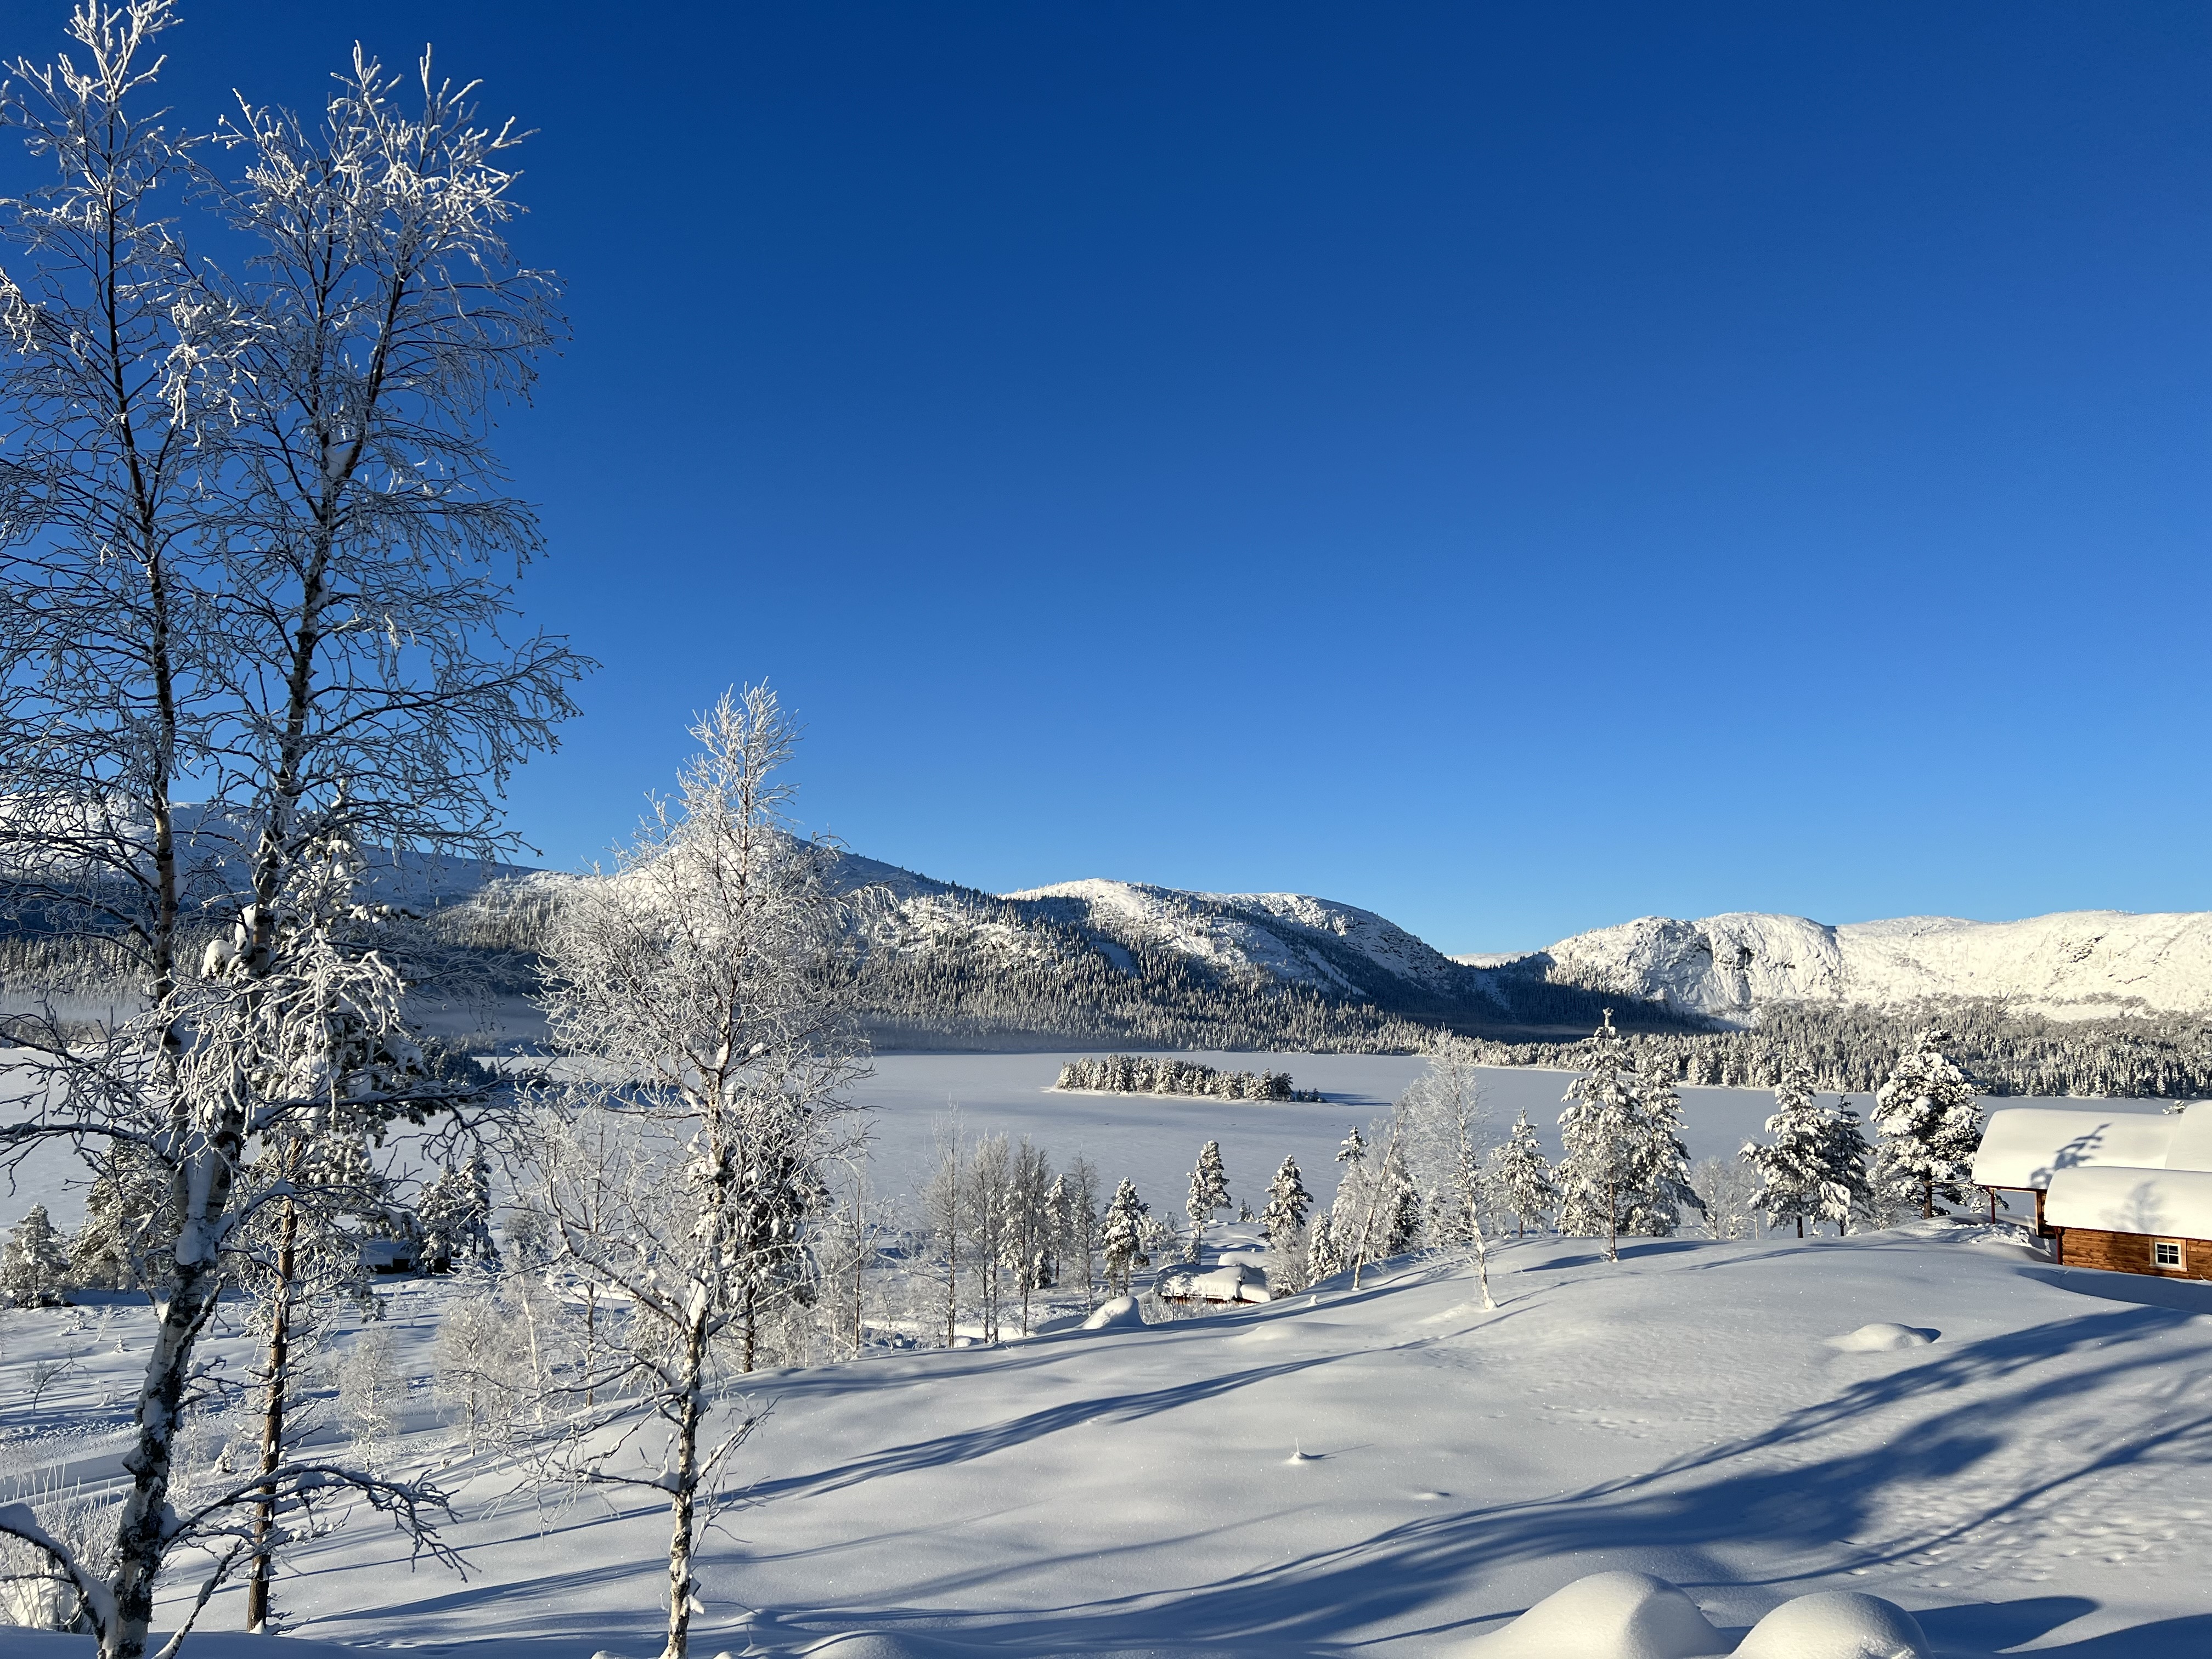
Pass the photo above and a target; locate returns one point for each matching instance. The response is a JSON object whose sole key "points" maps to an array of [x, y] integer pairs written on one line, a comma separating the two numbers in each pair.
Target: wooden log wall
{"points": [[2130, 1253]]}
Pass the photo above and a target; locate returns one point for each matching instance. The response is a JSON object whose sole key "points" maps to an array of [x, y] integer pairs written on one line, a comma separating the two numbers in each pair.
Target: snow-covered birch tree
{"points": [[698, 988], [1444, 1114], [114, 387], [263, 506]]}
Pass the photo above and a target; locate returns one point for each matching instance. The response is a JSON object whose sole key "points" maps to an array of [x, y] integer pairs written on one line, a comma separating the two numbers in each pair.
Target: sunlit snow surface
{"points": [[2039, 1474]]}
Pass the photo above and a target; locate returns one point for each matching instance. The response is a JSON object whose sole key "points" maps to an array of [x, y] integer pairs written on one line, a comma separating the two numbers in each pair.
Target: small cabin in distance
{"points": [[2128, 1192]]}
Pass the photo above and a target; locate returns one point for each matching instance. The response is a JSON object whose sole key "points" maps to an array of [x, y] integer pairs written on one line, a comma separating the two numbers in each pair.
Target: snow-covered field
{"points": [[1387, 1467], [1391, 1468]]}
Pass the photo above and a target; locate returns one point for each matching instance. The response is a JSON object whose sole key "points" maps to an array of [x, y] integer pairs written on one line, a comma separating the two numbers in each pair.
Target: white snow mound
{"points": [[1607, 1615], [1882, 1337], [1113, 1316], [1836, 1625]]}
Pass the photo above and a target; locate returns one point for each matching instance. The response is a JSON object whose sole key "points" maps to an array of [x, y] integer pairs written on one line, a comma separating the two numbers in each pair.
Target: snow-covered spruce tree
{"points": [[1123, 1237], [454, 1215], [1030, 1231], [1283, 1224], [1792, 1167], [1351, 1211], [1658, 1187], [1078, 1245], [701, 984], [1323, 1261], [1522, 1176], [1846, 1188], [1930, 1119], [1405, 1215], [1599, 1132], [122, 1214], [34, 1266], [1209, 1195]]}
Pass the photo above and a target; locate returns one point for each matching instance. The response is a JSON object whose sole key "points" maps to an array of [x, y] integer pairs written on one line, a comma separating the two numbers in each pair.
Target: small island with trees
{"points": [[1141, 1074]]}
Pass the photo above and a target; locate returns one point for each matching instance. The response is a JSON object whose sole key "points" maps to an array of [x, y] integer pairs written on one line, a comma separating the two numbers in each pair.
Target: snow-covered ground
{"points": [[1391, 1468]]}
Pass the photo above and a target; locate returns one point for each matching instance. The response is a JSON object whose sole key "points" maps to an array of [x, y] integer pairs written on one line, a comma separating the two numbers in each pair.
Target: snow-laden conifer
{"points": [[1078, 1245], [1792, 1167], [1377, 1212], [1283, 1224], [1322, 1260], [1522, 1176], [33, 1265], [1929, 1118], [1847, 1189], [454, 1216], [1599, 1132], [1032, 1232], [1209, 1195], [1123, 1237], [1658, 1187]]}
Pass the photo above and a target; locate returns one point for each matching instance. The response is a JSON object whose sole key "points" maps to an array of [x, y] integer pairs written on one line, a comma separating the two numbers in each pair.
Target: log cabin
{"points": [[2128, 1192]]}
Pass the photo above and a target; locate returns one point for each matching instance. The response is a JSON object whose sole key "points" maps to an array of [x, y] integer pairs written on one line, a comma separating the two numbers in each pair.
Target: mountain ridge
{"points": [[2077, 964]]}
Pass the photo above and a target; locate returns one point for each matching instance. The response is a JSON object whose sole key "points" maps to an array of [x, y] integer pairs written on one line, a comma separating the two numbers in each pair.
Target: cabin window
{"points": [[2165, 1253]]}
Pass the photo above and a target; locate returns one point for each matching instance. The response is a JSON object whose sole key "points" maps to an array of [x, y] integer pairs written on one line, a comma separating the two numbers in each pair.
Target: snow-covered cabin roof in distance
{"points": [[2167, 1203], [1229, 1281], [2026, 1146]]}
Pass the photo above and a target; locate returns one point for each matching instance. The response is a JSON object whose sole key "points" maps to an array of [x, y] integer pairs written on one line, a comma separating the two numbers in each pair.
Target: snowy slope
{"points": [[1390, 1471], [1334, 948], [2081, 962]]}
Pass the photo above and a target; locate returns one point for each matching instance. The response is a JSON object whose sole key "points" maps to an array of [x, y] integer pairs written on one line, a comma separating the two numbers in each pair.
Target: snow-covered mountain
{"points": [[1338, 950], [2076, 964]]}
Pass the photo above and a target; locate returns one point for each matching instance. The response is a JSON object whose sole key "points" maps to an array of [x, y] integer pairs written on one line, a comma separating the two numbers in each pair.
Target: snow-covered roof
{"points": [[1230, 1281], [2165, 1203], [2025, 1146]]}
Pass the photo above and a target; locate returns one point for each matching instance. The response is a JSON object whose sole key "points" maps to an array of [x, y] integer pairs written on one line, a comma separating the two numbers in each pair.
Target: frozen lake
{"points": [[911, 1097], [1155, 1140]]}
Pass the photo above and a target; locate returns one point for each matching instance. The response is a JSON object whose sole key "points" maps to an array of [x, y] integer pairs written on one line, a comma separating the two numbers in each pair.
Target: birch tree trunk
{"points": [[278, 1372]]}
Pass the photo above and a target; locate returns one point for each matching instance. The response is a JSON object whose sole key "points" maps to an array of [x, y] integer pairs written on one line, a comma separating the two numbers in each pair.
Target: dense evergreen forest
{"points": [[2005, 1051]]}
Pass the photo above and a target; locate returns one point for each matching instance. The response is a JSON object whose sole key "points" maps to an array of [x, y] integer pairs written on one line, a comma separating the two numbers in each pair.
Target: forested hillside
{"points": [[939, 966]]}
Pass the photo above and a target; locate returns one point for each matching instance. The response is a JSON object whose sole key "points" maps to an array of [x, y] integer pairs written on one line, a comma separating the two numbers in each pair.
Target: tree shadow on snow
{"points": [[1629, 1252], [2185, 1296], [1676, 1519]]}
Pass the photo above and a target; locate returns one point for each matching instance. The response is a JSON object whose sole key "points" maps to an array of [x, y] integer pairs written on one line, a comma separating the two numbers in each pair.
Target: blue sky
{"points": [[1514, 468]]}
